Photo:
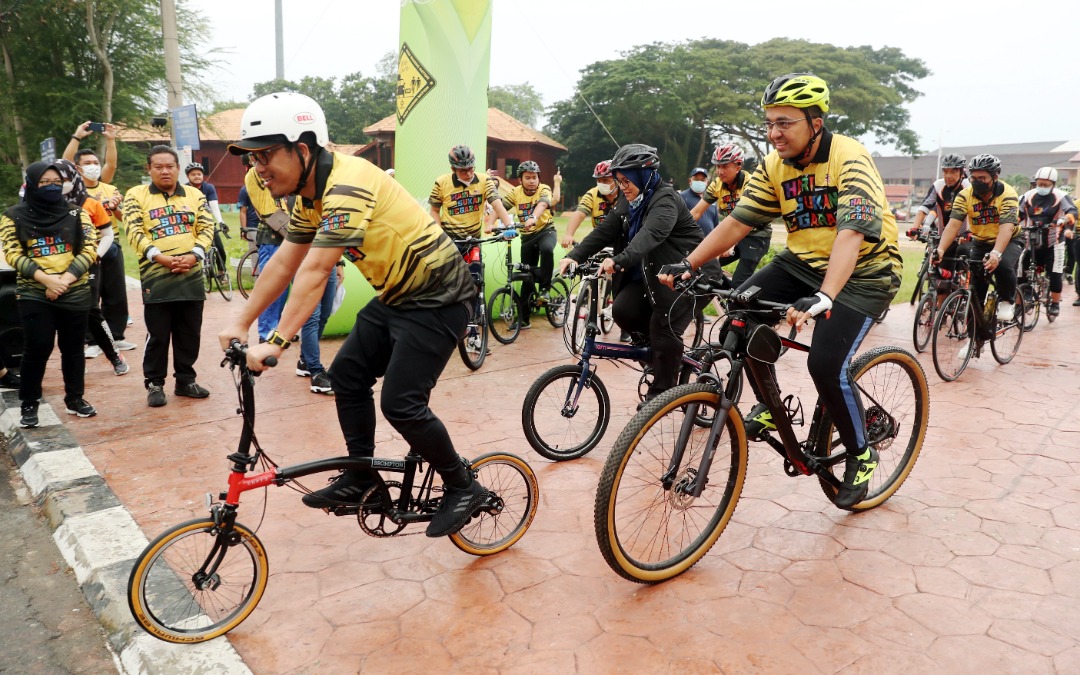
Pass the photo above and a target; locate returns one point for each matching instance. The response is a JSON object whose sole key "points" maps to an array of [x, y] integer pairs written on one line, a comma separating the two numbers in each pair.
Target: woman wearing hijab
{"points": [[102, 222], [51, 245], [648, 227]]}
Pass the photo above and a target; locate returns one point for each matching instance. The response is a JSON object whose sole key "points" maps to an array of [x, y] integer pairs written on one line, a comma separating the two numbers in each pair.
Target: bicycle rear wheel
{"points": [[185, 589], [558, 303], [924, 322], [247, 272], [651, 528], [508, 510], [503, 318], [1008, 334], [221, 275], [560, 422], [954, 336], [607, 321], [896, 401]]}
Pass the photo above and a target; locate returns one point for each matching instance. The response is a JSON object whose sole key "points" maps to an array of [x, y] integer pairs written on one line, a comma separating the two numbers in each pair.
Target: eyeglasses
{"points": [[262, 157], [623, 183], [782, 125], [47, 182]]}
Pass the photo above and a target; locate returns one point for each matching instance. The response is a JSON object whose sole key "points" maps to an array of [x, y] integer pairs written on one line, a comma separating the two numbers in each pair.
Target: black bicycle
{"points": [[202, 578], [669, 487], [965, 323], [215, 273], [473, 347], [504, 306], [1032, 278]]}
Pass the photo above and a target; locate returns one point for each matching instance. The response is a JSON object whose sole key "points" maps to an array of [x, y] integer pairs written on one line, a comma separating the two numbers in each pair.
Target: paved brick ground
{"points": [[974, 566]]}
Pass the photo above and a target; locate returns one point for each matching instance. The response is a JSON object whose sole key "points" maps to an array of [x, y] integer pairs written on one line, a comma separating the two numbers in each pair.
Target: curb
{"points": [[100, 541]]}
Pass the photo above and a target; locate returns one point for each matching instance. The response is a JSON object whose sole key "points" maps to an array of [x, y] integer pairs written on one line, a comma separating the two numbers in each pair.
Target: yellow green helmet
{"points": [[800, 90]]}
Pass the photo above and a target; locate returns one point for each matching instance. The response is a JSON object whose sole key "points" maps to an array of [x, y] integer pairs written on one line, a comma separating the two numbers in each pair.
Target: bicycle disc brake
{"points": [[880, 428], [374, 509], [681, 496]]}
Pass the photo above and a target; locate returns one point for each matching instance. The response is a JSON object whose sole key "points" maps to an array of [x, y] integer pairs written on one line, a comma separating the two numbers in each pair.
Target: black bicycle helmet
{"points": [[461, 157], [194, 166], [528, 165], [985, 162], [953, 161], [635, 156]]}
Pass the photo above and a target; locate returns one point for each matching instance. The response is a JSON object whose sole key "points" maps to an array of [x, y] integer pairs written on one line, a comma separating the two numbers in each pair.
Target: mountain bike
{"points": [[669, 487], [965, 323], [939, 283], [473, 347], [581, 304], [503, 308], [567, 409], [215, 273], [247, 270], [202, 578], [1031, 277]]}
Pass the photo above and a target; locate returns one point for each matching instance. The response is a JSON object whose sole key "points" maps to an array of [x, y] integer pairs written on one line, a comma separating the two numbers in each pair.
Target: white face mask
{"points": [[605, 188], [92, 171], [697, 186], [1042, 192]]}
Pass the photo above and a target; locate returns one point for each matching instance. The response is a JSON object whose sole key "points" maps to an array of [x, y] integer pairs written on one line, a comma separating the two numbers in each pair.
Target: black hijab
{"points": [[36, 216]]}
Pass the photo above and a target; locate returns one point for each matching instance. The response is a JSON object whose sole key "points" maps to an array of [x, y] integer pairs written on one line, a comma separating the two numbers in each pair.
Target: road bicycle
{"points": [[669, 486], [247, 270], [929, 235], [567, 409], [940, 282], [473, 347], [504, 306], [1032, 279], [215, 272], [202, 578], [965, 323]]}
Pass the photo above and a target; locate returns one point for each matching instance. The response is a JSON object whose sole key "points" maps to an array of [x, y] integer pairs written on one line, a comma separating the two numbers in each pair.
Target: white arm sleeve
{"points": [[105, 240], [216, 210]]}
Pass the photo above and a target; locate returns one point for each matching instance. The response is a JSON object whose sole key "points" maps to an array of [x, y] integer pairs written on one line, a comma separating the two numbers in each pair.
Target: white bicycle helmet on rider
{"points": [[1046, 173], [282, 114]]}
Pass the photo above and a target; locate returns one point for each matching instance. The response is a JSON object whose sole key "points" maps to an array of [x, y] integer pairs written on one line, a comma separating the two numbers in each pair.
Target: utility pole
{"points": [[172, 54], [279, 35]]}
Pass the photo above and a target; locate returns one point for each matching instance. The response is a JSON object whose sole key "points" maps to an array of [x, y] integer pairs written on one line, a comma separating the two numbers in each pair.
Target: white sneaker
{"points": [[124, 346], [92, 351], [1005, 311]]}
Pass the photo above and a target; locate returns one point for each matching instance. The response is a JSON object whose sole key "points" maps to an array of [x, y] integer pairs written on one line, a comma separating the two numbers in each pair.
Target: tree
{"points": [[519, 101], [354, 103], [1021, 182], [684, 98]]}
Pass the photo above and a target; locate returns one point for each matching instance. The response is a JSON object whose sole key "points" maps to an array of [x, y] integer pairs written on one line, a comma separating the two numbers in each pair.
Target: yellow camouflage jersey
{"points": [[594, 205], [67, 246], [103, 192], [264, 203], [840, 189], [392, 240], [462, 206], [173, 224], [984, 218], [521, 207], [726, 197]]}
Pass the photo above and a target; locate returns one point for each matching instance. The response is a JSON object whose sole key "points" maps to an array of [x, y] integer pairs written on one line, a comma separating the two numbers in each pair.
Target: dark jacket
{"points": [[668, 234]]}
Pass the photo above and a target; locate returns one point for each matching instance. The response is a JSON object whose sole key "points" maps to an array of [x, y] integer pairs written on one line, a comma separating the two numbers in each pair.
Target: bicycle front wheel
{"points": [[896, 401], [208, 274], [607, 321], [503, 319], [1032, 307], [509, 508], [247, 272], [924, 322], [1009, 334], [954, 336], [473, 348], [649, 525], [558, 303], [192, 584], [578, 318], [921, 284], [560, 420], [221, 275]]}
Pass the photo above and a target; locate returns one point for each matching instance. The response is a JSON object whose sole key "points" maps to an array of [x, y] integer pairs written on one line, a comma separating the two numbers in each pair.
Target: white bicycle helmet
{"points": [[284, 113], [1046, 173]]}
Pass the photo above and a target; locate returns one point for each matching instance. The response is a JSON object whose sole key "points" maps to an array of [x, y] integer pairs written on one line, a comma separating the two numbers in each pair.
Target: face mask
{"points": [[605, 188], [51, 193], [92, 171], [980, 189], [1042, 192], [636, 201], [697, 186]]}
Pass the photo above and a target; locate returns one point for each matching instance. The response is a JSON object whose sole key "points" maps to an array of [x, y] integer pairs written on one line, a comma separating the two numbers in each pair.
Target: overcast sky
{"points": [[997, 76]]}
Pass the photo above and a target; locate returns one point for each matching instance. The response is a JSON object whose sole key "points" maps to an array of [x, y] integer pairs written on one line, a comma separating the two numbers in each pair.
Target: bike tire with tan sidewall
{"points": [[512, 479]]}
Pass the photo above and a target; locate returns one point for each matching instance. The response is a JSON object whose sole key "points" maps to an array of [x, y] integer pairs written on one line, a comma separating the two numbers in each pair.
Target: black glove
{"points": [[676, 269], [813, 304]]}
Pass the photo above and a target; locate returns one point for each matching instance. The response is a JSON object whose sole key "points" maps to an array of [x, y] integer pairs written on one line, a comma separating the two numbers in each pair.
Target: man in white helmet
{"points": [[1048, 216], [348, 206]]}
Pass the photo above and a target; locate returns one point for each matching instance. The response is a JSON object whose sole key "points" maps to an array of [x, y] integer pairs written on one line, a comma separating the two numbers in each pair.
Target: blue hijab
{"points": [[646, 181]]}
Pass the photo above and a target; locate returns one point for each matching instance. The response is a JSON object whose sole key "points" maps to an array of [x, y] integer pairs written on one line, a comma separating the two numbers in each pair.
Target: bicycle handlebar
{"points": [[236, 356]]}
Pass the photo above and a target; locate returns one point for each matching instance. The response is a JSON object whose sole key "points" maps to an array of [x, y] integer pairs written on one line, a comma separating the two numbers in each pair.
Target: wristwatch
{"points": [[996, 254], [277, 339]]}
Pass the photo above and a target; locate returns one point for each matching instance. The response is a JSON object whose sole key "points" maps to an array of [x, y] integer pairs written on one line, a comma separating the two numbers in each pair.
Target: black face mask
{"points": [[51, 194], [981, 189]]}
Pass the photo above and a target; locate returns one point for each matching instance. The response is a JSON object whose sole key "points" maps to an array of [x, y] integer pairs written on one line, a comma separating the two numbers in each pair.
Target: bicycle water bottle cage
{"points": [[793, 408]]}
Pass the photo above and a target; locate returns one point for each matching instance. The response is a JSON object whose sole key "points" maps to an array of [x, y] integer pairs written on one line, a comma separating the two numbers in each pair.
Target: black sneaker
{"points": [[10, 380], [857, 475], [155, 396], [320, 383], [29, 418], [1054, 309], [302, 369], [79, 407], [346, 488], [758, 422], [1076, 303], [191, 390], [456, 508], [625, 336]]}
